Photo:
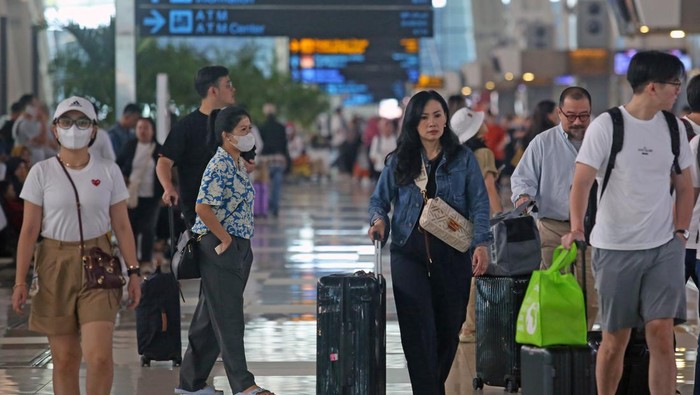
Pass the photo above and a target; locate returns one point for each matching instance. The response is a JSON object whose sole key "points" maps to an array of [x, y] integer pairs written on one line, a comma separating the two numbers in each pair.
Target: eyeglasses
{"points": [[66, 123], [228, 84], [572, 117], [677, 84]]}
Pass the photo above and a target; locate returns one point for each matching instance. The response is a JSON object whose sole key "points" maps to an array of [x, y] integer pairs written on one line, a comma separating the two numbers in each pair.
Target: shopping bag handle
{"points": [[563, 258]]}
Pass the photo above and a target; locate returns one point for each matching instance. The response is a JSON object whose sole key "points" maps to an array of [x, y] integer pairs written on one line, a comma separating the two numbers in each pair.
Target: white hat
{"points": [[466, 123], [75, 103]]}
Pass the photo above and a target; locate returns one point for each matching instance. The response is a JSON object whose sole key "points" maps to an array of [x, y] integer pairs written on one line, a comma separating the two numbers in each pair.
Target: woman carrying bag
{"points": [[72, 307], [430, 278]]}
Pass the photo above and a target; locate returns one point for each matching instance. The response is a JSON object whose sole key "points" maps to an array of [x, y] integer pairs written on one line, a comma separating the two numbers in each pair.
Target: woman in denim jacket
{"points": [[430, 279]]}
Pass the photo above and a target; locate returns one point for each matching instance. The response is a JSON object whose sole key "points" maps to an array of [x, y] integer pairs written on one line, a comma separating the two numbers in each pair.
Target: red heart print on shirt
{"points": [[95, 182]]}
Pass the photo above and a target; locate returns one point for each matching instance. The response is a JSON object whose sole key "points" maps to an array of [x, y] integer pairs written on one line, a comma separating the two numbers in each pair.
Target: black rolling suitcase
{"points": [[635, 370], [351, 328], [498, 301], [158, 319]]}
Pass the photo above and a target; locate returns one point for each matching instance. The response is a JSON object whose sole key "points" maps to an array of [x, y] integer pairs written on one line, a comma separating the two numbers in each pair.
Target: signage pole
{"points": [[125, 56]]}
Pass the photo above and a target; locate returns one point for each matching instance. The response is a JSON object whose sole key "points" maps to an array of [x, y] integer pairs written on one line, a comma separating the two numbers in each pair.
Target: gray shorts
{"points": [[635, 287]]}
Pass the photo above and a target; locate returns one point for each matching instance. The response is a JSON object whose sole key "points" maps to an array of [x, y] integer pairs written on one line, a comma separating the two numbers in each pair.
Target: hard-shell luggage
{"points": [[158, 319], [351, 328], [635, 368], [498, 301], [515, 250], [558, 370], [261, 203]]}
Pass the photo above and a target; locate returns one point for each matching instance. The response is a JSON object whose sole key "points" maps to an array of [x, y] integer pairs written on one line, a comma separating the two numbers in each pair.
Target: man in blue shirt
{"points": [[545, 174], [122, 131]]}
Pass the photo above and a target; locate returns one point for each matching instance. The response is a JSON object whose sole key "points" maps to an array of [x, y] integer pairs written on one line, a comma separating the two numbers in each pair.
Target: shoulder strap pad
{"points": [[618, 138], [675, 139], [688, 128]]}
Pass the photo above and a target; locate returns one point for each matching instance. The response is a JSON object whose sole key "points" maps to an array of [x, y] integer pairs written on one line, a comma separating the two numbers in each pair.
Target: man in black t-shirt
{"points": [[189, 146]]}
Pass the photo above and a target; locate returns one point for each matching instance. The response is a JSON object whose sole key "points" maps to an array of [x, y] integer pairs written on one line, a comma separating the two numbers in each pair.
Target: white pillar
{"points": [[162, 103], [125, 56]]}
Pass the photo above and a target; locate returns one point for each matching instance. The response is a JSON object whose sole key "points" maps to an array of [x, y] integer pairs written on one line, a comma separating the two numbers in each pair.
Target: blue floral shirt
{"points": [[228, 189]]}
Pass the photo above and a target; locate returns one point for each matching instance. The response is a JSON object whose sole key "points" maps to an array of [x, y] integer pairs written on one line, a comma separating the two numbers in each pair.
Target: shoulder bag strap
{"points": [[618, 139], [422, 181], [675, 139], [77, 201]]}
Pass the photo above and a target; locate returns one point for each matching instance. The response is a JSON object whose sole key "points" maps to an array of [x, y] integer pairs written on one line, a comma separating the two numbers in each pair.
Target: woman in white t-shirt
{"points": [[78, 321]]}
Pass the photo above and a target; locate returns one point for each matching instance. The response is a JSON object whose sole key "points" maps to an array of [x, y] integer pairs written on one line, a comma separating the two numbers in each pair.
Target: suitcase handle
{"points": [[377, 255], [582, 245]]}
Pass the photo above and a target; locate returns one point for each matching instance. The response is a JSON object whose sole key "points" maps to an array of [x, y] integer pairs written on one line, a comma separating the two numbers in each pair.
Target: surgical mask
{"points": [[30, 110], [74, 138], [245, 143]]}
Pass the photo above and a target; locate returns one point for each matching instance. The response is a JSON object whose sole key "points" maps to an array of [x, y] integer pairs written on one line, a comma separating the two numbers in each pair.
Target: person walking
{"points": [[225, 220], [544, 174], [79, 322], [275, 154], [639, 236], [430, 278], [138, 164]]}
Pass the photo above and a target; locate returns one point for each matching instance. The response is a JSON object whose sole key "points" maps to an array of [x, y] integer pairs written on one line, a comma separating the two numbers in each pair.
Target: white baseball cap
{"points": [[76, 103], [466, 123]]}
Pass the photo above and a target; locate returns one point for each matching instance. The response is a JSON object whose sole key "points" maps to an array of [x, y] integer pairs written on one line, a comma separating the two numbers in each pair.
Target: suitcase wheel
{"points": [[511, 386], [145, 361], [478, 383], [177, 362]]}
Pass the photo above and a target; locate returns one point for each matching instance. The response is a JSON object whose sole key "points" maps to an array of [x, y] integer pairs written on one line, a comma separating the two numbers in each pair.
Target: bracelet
{"points": [[19, 285], [133, 270]]}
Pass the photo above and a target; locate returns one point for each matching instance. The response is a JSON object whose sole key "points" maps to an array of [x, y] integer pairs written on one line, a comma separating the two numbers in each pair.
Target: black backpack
{"points": [[618, 139]]}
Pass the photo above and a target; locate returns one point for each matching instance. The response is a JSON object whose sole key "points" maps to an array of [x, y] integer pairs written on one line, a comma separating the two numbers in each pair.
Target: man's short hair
{"points": [[206, 77], [132, 108], [15, 108], [574, 93], [653, 66], [693, 90], [25, 100]]}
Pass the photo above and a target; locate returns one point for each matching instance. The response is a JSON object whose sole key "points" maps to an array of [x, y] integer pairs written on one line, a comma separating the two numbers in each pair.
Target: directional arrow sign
{"points": [[155, 21]]}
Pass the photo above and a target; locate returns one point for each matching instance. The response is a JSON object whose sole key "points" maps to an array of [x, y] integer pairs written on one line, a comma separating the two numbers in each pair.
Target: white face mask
{"points": [[245, 143], [30, 110], [74, 138]]}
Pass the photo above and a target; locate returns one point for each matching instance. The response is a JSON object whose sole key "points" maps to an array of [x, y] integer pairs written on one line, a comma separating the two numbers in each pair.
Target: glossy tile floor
{"points": [[321, 229]]}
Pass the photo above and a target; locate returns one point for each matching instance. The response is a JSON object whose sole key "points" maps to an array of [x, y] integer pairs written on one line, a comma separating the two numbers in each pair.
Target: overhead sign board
{"points": [[300, 18], [362, 70]]}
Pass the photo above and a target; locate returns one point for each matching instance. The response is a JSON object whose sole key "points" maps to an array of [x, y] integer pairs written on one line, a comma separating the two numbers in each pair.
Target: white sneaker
{"points": [[208, 390]]}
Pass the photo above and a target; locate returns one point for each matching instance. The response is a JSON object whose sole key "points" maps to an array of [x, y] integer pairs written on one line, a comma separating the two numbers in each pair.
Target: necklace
{"points": [[68, 165]]}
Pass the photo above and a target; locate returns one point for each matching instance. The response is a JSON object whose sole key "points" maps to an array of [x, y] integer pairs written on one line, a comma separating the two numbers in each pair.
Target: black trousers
{"points": [[218, 323], [431, 304], [143, 223]]}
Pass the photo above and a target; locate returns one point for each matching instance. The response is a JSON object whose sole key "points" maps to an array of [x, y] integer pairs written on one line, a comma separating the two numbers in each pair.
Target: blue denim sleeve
{"points": [[478, 201], [384, 193]]}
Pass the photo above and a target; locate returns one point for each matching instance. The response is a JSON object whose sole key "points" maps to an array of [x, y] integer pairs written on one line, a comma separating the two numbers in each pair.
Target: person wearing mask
{"points": [[79, 322], [138, 164], [430, 279], [188, 145], [31, 129], [545, 173], [225, 220], [639, 236], [382, 144], [122, 131]]}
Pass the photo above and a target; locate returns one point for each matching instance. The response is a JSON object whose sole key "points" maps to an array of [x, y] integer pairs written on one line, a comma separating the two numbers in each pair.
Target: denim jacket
{"points": [[460, 185]]}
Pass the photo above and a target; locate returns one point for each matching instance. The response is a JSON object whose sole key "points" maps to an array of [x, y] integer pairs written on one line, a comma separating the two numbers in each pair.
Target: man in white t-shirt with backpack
{"points": [[638, 238]]}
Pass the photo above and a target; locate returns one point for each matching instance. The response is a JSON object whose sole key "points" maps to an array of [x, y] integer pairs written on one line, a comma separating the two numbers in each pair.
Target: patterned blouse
{"points": [[228, 189]]}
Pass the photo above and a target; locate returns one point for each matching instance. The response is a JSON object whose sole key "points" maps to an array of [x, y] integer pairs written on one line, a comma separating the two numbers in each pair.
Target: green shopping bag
{"points": [[553, 311]]}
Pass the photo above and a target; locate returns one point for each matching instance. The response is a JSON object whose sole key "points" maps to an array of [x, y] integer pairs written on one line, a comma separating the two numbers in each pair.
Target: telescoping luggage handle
{"points": [[582, 245], [519, 211], [377, 255]]}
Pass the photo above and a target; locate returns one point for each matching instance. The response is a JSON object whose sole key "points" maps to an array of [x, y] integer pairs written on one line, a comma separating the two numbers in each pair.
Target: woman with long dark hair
{"points": [[430, 278]]}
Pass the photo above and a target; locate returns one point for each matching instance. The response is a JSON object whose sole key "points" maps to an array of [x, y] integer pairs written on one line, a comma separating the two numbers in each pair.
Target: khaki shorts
{"points": [[62, 304]]}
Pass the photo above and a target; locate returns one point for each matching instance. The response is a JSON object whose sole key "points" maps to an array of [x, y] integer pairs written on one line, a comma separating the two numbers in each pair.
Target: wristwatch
{"points": [[683, 232]]}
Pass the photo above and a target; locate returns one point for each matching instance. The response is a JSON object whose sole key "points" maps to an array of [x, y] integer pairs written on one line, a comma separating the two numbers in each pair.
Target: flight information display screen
{"points": [[363, 71]]}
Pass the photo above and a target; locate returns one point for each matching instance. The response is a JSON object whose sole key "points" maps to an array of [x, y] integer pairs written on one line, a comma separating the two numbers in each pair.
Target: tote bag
{"points": [[553, 311]]}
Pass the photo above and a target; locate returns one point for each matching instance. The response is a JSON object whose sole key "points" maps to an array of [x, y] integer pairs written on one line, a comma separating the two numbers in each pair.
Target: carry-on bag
{"points": [[635, 366], [515, 249], [351, 328], [568, 368], [158, 319], [498, 301]]}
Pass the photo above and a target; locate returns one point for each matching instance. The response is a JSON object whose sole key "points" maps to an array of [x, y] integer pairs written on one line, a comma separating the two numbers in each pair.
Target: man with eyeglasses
{"points": [[640, 230], [545, 173]]}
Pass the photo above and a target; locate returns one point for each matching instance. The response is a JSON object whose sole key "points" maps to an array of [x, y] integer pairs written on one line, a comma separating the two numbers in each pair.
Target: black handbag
{"points": [[184, 263]]}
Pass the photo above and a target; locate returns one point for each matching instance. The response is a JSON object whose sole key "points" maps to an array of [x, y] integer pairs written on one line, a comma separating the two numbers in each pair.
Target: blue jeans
{"points": [[276, 174]]}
